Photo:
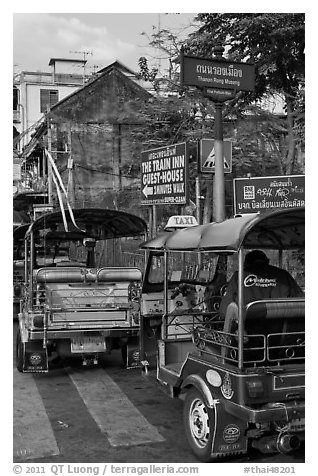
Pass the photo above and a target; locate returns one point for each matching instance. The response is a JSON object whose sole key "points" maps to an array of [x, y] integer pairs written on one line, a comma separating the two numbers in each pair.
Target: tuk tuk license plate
{"points": [[88, 345]]}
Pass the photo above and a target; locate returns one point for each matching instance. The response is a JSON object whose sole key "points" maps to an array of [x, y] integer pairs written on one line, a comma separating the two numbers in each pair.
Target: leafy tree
{"points": [[264, 143], [275, 43]]}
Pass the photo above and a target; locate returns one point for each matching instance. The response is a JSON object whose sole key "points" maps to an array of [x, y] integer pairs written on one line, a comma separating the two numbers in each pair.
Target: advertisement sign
{"points": [[216, 73], [164, 175], [261, 194], [207, 156]]}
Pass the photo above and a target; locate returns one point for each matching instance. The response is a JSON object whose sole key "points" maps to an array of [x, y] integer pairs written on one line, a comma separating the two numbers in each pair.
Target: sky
{"points": [[105, 37]]}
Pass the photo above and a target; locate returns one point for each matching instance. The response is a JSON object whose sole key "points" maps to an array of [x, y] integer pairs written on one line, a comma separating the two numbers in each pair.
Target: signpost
{"points": [[164, 175], [219, 79], [261, 194]]}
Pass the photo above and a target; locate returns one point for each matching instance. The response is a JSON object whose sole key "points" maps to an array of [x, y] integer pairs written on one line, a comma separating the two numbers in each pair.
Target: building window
{"points": [[15, 98], [48, 97]]}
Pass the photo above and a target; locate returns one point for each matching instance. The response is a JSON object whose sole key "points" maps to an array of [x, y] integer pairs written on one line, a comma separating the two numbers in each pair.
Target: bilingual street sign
{"points": [[207, 156], [261, 194], [164, 175], [217, 73]]}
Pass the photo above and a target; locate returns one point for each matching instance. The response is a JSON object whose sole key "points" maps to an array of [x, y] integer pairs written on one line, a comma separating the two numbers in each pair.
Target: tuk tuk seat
{"points": [[280, 321], [60, 275], [275, 308], [119, 274]]}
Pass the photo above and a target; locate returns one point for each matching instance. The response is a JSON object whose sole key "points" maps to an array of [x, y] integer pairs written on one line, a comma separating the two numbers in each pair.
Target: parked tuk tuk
{"points": [[241, 375], [18, 266], [70, 306]]}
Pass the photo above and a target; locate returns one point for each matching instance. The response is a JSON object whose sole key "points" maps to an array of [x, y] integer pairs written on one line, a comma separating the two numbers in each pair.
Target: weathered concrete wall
{"points": [[93, 125]]}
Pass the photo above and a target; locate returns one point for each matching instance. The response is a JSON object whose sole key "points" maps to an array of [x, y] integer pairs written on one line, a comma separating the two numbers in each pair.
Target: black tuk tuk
{"points": [[242, 375]]}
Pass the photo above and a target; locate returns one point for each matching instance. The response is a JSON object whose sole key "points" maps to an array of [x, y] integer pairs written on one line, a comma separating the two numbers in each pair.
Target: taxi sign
{"points": [[180, 221]]}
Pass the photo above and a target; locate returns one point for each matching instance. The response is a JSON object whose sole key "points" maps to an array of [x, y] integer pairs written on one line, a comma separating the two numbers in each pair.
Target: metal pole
{"points": [[240, 308], [49, 167], [70, 166], [218, 179], [197, 198], [154, 220]]}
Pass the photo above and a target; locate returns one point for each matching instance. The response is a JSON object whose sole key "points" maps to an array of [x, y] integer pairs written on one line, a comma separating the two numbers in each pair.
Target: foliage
{"points": [[275, 43], [264, 142]]}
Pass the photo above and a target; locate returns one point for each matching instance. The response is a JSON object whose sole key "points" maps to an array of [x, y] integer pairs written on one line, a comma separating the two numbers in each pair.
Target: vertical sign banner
{"points": [[261, 194], [164, 175]]}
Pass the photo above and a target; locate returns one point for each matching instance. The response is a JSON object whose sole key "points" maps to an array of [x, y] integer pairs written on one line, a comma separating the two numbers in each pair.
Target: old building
{"points": [[36, 91], [88, 135]]}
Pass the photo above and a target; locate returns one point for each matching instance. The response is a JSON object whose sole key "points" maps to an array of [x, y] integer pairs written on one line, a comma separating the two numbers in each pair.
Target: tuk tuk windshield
{"points": [[202, 268]]}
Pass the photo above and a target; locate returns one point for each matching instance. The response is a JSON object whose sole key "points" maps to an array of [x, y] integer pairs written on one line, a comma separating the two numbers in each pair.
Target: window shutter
{"points": [[48, 97], [44, 99]]}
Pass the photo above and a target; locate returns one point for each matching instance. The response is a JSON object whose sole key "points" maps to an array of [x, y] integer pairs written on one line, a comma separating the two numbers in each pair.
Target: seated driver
{"points": [[261, 281]]}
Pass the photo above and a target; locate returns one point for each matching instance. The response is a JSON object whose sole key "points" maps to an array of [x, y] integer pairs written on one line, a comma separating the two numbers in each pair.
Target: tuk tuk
{"points": [[18, 266], [241, 375], [70, 306]]}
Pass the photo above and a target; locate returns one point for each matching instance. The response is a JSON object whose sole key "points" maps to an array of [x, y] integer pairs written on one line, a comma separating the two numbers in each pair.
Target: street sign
{"points": [[217, 73], [207, 156], [219, 95], [260, 194], [164, 175]]}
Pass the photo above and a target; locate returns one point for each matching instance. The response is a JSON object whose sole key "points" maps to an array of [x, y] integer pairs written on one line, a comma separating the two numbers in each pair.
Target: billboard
{"points": [[261, 194], [164, 175]]}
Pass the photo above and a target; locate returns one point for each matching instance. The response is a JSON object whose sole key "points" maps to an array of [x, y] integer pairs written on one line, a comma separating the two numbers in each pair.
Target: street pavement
{"points": [[104, 413]]}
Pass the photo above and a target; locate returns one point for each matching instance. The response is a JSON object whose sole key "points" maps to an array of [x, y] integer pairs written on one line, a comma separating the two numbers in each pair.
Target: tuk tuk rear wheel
{"points": [[199, 422], [19, 352]]}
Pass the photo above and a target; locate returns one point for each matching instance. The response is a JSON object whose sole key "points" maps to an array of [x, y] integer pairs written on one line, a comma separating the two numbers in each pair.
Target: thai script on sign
{"points": [[220, 71], [280, 183], [264, 204], [168, 152]]}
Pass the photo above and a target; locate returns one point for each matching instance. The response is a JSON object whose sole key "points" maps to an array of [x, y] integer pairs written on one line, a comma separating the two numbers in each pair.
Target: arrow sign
{"points": [[164, 175], [147, 191], [207, 156]]}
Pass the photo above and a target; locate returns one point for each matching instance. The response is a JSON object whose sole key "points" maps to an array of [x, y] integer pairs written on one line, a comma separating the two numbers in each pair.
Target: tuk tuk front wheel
{"points": [[199, 423], [19, 352]]}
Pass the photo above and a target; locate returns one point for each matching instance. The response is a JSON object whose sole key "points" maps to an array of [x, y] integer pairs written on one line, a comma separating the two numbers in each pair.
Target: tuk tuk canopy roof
{"points": [[19, 232], [98, 223], [279, 229]]}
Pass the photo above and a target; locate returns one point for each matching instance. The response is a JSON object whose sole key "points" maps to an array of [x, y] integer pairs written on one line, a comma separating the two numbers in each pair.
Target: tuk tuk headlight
{"points": [[255, 388]]}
